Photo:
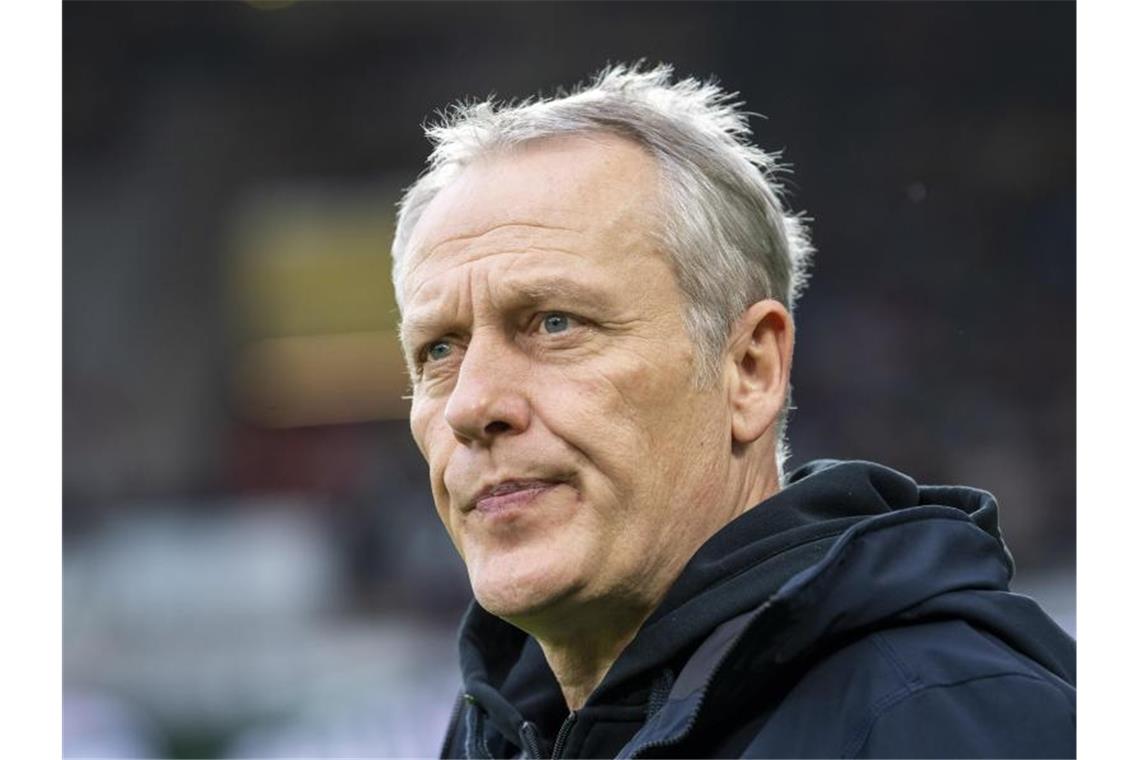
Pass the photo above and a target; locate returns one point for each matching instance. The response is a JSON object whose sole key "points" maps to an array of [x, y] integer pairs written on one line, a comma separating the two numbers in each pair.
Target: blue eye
{"points": [[555, 323], [438, 350]]}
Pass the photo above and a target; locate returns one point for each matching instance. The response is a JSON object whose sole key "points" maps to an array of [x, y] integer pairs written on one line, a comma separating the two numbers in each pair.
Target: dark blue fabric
{"points": [[854, 614]]}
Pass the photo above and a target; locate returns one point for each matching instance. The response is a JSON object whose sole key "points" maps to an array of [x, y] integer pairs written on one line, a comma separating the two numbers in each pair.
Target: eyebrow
{"points": [[539, 290], [531, 292]]}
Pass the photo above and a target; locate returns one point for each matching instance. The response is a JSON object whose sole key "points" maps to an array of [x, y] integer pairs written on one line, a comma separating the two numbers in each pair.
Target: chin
{"points": [[521, 593]]}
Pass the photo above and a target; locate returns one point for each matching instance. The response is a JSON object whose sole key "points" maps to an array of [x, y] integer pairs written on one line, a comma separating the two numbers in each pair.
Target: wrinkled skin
{"points": [[543, 328]]}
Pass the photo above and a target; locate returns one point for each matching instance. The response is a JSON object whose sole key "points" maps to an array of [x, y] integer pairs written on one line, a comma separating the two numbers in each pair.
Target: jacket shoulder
{"points": [[934, 689], [1008, 715], [967, 694]]}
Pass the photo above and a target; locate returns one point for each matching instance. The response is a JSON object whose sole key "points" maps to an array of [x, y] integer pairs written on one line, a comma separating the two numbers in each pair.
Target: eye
{"points": [[555, 322], [440, 349]]}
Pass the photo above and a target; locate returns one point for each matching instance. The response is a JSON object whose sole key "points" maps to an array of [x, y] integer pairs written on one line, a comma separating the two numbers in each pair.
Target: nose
{"points": [[488, 399]]}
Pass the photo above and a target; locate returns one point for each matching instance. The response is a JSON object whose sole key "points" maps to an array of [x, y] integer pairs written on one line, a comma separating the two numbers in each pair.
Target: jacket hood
{"points": [[845, 547]]}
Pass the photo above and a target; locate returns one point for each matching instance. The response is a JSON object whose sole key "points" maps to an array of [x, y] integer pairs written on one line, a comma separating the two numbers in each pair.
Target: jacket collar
{"points": [[770, 578]]}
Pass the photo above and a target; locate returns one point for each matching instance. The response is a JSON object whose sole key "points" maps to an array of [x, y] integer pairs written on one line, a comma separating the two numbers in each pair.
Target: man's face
{"points": [[572, 459]]}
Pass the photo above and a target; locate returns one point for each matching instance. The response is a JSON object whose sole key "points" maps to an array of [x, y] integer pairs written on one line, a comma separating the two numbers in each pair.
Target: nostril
{"points": [[498, 426]]}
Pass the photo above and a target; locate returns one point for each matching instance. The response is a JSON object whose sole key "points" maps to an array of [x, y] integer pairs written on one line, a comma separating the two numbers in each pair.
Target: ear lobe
{"points": [[760, 350]]}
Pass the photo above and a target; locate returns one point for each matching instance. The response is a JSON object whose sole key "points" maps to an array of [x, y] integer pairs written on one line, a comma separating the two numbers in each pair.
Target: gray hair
{"points": [[730, 239]]}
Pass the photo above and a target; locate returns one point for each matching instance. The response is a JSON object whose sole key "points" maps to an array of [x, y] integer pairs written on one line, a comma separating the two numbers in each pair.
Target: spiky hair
{"points": [[731, 240]]}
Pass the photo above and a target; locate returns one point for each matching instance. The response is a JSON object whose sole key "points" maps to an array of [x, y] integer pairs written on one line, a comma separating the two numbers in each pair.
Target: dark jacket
{"points": [[853, 614]]}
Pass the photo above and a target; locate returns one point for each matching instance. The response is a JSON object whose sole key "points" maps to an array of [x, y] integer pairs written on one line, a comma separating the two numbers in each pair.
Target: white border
{"points": [[1107, 248], [30, 313], [1107, 130]]}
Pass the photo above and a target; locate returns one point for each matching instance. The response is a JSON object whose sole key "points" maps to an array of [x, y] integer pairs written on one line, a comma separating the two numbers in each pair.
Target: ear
{"points": [[759, 369]]}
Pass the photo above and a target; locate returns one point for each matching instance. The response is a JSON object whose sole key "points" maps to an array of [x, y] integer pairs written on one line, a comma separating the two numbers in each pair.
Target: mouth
{"points": [[508, 494]]}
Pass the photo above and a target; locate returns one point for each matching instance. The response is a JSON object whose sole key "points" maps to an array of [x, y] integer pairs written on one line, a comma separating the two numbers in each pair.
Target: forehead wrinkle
{"points": [[544, 286], [519, 255], [418, 256], [495, 228]]}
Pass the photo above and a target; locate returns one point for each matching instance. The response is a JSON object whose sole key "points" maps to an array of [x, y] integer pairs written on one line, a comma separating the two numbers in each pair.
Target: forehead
{"points": [[573, 191]]}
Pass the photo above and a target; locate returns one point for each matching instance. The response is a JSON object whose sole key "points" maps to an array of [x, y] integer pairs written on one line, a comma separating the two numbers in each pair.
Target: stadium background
{"points": [[252, 563]]}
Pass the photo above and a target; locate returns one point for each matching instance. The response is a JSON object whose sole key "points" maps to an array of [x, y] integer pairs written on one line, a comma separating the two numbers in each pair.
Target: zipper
{"points": [[678, 737], [528, 738], [560, 740], [475, 742]]}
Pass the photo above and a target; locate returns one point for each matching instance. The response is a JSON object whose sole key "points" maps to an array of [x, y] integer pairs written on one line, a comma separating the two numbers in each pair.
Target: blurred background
{"points": [[252, 563]]}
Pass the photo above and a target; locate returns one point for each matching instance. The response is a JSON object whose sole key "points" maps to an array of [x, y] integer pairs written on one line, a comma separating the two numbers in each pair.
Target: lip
{"points": [[510, 493]]}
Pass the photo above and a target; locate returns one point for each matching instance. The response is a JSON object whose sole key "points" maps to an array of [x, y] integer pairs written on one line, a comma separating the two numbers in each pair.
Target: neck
{"points": [[581, 642], [758, 486], [581, 665], [582, 645]]}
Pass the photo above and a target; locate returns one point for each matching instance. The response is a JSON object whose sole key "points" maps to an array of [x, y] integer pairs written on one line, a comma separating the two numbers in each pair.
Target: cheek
{"points": [[434, 439], [622, 418], [429, 429], [419, 418], [648, 398]]}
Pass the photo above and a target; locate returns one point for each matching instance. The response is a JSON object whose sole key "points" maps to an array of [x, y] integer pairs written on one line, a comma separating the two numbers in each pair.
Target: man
{"points": [[596, 296]]}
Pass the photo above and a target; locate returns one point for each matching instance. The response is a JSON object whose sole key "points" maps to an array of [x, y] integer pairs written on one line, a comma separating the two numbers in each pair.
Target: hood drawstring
{"points": [[659, 693], [475, 744], [528, 735]]}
